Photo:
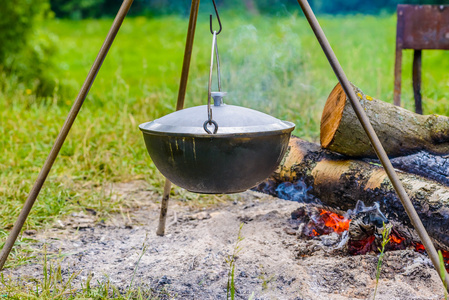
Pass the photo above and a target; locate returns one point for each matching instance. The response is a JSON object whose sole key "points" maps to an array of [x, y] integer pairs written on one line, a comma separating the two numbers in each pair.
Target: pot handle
{"points": [[209, 120]]}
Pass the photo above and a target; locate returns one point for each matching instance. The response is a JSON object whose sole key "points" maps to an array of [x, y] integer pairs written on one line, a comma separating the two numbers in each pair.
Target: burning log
{"points": [[400, 131], [308, 173]]}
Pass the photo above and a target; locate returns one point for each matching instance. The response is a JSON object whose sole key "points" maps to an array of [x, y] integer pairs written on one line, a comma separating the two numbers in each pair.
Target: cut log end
{"points": [[332, 114], [400, 131]]}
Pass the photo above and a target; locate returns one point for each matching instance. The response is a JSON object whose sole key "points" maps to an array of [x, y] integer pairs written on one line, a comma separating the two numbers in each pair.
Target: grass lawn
{"points": [[270, 64]]}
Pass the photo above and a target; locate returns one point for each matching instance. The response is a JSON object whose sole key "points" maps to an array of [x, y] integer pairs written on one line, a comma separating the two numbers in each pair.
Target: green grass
{"points": [[386, 230], [231, 262], [268, 63]]}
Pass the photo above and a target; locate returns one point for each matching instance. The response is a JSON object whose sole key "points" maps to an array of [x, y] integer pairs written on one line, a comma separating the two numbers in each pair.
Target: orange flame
{"points": [[338, 223]]}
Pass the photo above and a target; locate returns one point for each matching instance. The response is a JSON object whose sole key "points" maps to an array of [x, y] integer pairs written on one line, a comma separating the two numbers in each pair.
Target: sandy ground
{"points": [[190, 261]]}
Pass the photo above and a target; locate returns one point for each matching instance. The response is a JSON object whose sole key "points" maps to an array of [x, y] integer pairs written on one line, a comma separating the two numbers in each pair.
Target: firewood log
{"points": [[339, 182], [400, 131]]}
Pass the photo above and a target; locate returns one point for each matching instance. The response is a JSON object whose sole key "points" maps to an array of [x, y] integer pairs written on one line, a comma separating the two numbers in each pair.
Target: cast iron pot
{"points": [[246, 149]]}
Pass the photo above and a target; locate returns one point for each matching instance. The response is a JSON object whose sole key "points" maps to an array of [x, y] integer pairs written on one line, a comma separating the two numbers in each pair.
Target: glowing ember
{"points": [[420, 248], [362, 246], [394, 239], [397, 242]]}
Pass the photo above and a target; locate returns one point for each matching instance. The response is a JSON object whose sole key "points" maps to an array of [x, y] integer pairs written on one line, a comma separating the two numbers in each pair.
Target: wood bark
{"points": [[309, 173], [400, 131]]}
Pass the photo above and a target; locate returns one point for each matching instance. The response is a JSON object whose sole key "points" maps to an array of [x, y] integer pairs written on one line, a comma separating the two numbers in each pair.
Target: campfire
{"points": [[359, 230], [328, 184]]}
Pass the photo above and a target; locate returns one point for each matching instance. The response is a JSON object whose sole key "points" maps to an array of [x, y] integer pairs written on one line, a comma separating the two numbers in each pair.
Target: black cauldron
{"points": [[247, 147]]}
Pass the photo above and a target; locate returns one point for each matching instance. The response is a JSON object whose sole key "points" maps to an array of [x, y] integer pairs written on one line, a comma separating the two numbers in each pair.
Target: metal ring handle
{"points": [[211, 122]]}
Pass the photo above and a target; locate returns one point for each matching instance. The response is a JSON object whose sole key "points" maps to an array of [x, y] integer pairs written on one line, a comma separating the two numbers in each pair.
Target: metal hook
{"points": [[218, 18]]}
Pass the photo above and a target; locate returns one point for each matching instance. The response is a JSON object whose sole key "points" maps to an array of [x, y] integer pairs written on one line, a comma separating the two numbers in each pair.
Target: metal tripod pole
{"points": [[180, 103], [378, 148], [64, 131]]}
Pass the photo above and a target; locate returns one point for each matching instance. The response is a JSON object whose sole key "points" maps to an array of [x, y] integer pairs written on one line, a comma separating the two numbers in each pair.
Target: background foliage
{"points": [[26, 51], [99, 8]]}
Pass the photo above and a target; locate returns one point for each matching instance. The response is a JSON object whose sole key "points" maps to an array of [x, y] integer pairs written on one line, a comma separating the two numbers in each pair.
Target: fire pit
{"points": [[356, 232]]}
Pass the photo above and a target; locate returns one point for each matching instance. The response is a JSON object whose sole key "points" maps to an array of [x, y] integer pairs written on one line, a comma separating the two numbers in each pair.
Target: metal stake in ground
{"points": [[64, 131], [405, 200], [180, 104]]}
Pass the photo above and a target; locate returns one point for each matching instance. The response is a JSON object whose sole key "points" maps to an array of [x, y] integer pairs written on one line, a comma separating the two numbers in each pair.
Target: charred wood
{"points": [[432, 166]]}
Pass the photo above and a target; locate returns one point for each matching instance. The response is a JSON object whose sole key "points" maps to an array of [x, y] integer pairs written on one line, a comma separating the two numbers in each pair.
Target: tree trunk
{"points": [[400, 131], [309, 173]]}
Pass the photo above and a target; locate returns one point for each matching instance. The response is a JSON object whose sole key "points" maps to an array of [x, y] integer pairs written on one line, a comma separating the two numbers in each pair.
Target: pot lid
{"points": [[230, 119]]}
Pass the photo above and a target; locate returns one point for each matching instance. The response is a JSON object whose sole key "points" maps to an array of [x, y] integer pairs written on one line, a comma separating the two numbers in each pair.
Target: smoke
{"points": [[297, 191], [372, 214], [262, 66]]}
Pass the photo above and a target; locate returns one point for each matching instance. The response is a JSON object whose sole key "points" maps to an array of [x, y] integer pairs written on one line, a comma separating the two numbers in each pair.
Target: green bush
{"points": [[82, 9], [26, 52], [78, 9]]}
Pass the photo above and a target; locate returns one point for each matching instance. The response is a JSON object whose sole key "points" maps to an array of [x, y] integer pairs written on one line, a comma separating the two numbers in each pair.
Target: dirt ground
{"points": [[189, 262]]}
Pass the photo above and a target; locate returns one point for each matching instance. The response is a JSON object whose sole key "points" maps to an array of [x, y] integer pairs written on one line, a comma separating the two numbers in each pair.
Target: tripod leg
{"points": [[64, 132], [180, 103], [164, 208]]}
